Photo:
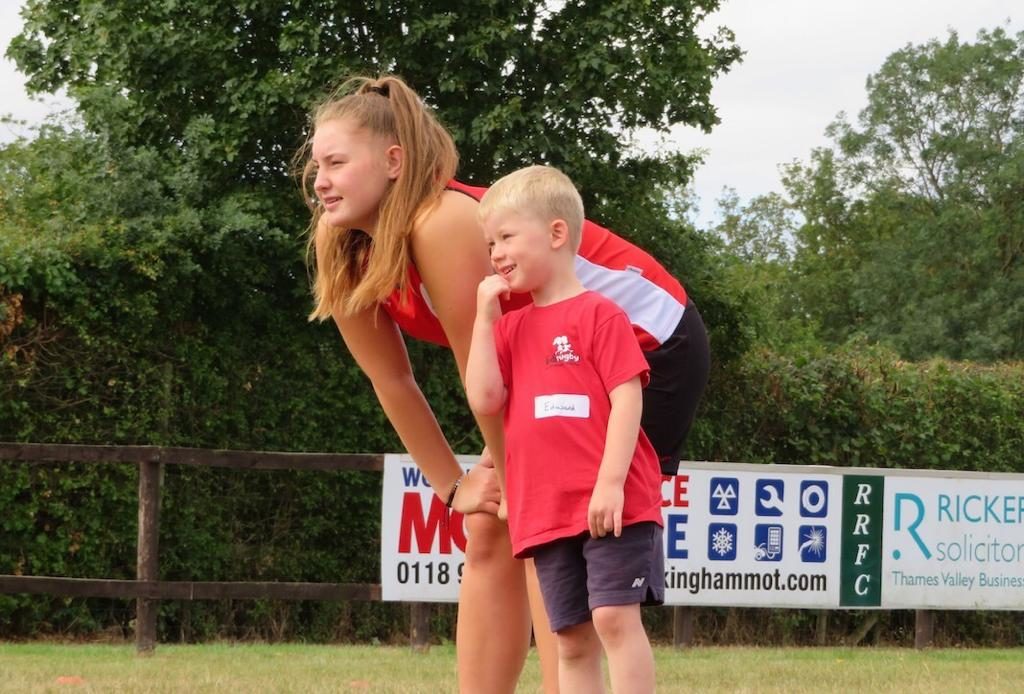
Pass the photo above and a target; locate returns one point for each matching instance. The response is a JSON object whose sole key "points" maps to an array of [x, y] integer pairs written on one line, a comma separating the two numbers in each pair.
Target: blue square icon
{"points": [[767, 542], [725, 495], [814, 498], [813, 543], [768, 497], [721, 541]]}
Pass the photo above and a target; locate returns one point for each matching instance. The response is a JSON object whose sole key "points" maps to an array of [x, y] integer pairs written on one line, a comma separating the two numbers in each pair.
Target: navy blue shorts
{"points": [[578, 574]]}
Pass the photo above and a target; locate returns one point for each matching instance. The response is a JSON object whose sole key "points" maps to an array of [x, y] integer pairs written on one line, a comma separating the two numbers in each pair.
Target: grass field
{"points": [[50, 667]]}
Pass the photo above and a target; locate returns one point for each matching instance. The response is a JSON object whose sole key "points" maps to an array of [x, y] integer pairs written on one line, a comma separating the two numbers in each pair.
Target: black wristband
{"points": [[455, 488]]}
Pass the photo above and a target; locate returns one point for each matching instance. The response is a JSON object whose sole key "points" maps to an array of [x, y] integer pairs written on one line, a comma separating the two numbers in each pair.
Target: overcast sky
{"points": [[805, 61]]}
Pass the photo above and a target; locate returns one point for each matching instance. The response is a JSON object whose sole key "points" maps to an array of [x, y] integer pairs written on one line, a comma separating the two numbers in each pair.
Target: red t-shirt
{"points": [[653, 299], [559, 362]]}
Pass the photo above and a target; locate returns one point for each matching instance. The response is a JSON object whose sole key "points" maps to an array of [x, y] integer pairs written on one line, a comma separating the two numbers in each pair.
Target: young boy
{"points": [[582, 481]]}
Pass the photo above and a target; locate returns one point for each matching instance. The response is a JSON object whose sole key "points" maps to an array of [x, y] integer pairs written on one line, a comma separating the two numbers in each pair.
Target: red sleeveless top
{"points": [[605, 263]]}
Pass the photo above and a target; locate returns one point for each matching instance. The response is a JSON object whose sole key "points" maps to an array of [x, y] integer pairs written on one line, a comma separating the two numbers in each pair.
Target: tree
{"points": [[757, 248], [227, 86], [914, 218], [517, 82], [760, 231]]}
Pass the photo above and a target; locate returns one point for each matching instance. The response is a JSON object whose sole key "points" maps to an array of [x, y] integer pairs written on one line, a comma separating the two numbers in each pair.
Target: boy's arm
{"points": [[485, 388], [605, 512]]}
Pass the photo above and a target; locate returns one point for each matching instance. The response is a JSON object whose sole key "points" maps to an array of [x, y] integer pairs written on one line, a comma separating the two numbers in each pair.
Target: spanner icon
{"points": [[769, 497]]}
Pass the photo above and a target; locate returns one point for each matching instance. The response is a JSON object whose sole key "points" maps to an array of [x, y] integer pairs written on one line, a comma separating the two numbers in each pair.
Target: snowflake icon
{"points": [[722, 541]]}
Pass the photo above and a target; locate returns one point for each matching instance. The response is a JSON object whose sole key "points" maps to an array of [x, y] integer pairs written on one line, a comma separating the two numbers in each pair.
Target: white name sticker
{"points": [[561, 405]]}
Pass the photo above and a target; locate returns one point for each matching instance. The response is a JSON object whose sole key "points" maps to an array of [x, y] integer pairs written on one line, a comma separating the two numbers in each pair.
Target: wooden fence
{"points": [[147, 590]]}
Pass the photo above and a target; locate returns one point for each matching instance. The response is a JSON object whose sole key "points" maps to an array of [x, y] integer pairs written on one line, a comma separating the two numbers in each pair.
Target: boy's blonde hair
{"points": [[540, 191], [356, 272]]}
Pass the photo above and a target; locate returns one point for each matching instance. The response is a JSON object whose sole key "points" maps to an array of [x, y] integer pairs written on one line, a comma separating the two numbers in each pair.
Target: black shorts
{"points": [[579, 574], [679, 373]]}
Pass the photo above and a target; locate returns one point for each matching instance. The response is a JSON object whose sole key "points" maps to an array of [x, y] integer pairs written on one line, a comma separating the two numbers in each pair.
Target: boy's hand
{"points": [[605, 512], [503, 509], [490, 289]]}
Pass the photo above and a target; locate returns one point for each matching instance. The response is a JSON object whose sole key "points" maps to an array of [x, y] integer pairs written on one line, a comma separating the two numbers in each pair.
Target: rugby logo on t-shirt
{"points": [[563, 352]]}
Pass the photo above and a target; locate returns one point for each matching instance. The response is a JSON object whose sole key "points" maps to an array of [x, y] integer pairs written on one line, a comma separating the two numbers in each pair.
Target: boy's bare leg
{"points": [[547, 642], [493, 632], [630, 659], [579, 659]]}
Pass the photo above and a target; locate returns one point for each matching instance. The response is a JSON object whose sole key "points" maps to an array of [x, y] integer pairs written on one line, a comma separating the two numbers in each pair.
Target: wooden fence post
{"points": [[147, 566], [682, 627], [419, 625], [821, 630], [924, 628]]}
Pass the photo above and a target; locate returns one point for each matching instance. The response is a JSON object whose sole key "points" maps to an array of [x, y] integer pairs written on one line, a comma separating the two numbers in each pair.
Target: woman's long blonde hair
{"points": [[357, 271]]}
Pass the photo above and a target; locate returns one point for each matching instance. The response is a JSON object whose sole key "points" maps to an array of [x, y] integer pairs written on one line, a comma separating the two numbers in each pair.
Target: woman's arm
{"points": [[376, 344]]}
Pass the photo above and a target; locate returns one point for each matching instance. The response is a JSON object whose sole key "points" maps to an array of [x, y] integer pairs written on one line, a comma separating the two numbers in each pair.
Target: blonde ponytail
{"points": [[353, 271]]}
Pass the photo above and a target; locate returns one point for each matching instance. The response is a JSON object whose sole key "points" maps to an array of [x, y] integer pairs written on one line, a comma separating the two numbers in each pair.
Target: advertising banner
{"points": [[772, 536], [422, 543], [764, 538], [955, 542]]}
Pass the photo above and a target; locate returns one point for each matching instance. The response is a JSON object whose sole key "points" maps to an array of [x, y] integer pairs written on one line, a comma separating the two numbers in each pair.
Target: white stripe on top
{"points": [[648, 306]]}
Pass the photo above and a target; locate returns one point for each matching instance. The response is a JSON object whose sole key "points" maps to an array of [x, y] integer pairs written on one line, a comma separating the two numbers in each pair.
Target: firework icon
{"points": [[813, 539]]}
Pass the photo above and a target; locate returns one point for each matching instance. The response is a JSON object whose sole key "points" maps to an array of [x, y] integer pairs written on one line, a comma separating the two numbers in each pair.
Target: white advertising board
{"points": [[765, 538], [955, 542], [422, 544], [772, 536]]}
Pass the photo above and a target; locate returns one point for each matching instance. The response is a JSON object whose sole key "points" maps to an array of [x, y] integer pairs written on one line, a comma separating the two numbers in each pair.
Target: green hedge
{"points": [[861, 406]]}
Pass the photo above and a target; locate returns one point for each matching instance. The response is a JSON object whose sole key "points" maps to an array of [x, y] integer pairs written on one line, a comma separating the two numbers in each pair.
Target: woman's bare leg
{"points": [[493, 633], [547, 641]]}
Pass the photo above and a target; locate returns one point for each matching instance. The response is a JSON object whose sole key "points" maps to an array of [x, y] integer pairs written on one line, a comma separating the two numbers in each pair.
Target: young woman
{"points": [[398, 248]]}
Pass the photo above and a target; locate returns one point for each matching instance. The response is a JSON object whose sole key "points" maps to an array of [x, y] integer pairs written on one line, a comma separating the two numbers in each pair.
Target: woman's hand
{"points": [[479, 491]]}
